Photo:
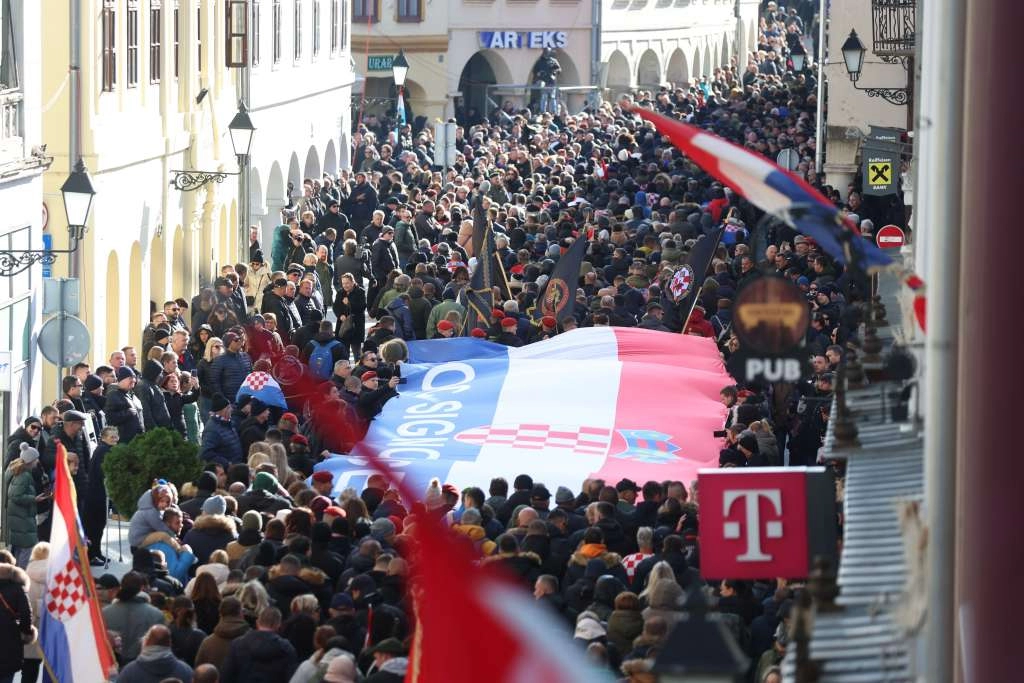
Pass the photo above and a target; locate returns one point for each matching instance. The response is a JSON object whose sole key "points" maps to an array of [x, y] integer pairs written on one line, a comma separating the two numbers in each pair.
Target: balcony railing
{"points": [[895, 27]]}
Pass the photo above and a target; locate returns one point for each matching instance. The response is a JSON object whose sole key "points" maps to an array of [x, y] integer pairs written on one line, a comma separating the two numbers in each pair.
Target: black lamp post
{"points": [[240, 130], [77, 192], [799, 56], [853, 56]]}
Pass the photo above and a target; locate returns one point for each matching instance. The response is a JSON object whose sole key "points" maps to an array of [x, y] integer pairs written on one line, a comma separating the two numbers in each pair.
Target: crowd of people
{"points": [[259, 570]]}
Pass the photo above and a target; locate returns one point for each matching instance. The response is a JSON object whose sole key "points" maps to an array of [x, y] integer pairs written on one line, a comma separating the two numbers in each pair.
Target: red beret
{"points": [[290, 417], [367, 376], [299, 438], [478, 333], [497, 314], [323, 476], [509, 322], [445, 325], [449, 488], [335, 511], [548, 321]]}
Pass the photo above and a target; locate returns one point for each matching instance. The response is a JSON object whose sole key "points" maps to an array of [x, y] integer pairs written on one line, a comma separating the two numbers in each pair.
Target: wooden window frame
{"points": [[231, 60], [409, 18], [297, 31], [132, 44], [254, 48], [365, 18], [177, 38], [156, 27], [108, 25], [276, 20], [316, 28]]}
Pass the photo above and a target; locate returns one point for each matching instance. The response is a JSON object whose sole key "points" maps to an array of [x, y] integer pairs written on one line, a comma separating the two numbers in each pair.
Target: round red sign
{"points": [[890, 237]]}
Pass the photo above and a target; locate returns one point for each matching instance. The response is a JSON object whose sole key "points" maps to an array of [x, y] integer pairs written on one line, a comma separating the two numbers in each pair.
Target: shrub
{"points": [[130, 468]]}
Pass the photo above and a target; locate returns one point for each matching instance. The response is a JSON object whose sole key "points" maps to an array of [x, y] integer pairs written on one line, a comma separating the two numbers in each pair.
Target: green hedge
{"points": [[130, 468]]}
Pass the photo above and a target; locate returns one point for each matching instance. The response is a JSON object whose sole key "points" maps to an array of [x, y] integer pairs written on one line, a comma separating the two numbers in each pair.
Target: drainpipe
{"points": [[819, 133], [74, 109]]}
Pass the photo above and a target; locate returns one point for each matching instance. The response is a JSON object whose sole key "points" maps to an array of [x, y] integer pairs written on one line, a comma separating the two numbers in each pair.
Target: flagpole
{"points": [[696, 297]]}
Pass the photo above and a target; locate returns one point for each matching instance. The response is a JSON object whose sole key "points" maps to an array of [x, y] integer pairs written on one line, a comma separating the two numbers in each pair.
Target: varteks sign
{"points": [[505, 40], [765, 522]]}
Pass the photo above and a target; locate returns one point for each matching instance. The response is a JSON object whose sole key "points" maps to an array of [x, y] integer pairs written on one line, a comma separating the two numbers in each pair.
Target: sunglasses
{"points": [[34, 428]]}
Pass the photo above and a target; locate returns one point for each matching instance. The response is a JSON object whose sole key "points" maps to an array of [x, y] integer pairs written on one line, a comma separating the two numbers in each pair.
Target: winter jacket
{"points": [[624, 625], [154, 664], [579, 559], [176, 402], [146, 520], [210, 533], [383, 259], [699, 325], [132, 618], [391, 671], [259, 657], [21, 510], [279, 249], [185, 642], [124, 410], [399, 310], [217, 645], [154, 408], [284, 587], [262, 502], [15, 621], [221, 443], [228, 371]]}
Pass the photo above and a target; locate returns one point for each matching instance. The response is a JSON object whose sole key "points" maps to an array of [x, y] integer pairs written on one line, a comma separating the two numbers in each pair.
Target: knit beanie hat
{"points": [[215, 505], [28, 454], [252, 520], [265, 481]]}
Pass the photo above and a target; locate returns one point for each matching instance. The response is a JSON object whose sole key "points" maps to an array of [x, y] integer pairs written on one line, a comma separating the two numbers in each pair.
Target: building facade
{"points": [[474, 54], [23, 219], [157, 97]]}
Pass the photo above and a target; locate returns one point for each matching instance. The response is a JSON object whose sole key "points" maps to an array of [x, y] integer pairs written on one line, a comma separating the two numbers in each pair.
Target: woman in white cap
{"points": [[21, 504]]}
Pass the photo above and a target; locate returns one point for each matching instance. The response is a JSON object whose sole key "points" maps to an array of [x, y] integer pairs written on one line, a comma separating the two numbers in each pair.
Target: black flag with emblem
{"points": [[681, 290], [479, 294], [559, 295]]}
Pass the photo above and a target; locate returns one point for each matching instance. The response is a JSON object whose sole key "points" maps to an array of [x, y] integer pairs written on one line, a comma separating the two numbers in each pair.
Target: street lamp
{"points": [[799, 55], [240, 130], [77, 193], [400, 68], [853, 56]]}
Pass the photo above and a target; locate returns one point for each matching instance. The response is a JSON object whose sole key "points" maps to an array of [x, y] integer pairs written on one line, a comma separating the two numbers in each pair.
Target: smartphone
{"points": [[403, 380]]}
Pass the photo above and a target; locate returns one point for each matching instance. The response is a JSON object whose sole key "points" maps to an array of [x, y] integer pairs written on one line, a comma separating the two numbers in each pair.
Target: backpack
{"points": [[321, 361]]}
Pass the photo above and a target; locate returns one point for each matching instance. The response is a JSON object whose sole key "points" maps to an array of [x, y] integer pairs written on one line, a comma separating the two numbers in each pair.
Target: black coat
{"points": [[154, 408], [228, 371], [383, 259], [259, 657], [16, 620], [124, 411]]}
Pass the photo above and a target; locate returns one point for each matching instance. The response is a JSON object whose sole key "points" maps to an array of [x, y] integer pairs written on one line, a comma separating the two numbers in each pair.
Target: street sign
{"points": [[61, 294], [64, 340], [788, 159], [770, 317], [890, 237], [379, 62], [880, 155]]}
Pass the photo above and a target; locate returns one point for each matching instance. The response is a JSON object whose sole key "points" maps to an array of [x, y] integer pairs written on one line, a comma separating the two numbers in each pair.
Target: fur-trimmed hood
{"points": [[215, 523], [14, 574], [610, 559], [311, 575], [532, 557]]}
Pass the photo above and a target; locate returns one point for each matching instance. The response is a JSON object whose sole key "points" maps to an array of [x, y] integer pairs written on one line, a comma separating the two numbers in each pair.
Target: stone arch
{"points": [[136, 302], [726, 52], [648, 70], [707, 63], [618, 72], [312, 167], [331, 158], [158, 270], [678, 71], [484, 67], [344, 159], [112, 306], [696, 71], [275, 198], [294, 176], [178, 274]]}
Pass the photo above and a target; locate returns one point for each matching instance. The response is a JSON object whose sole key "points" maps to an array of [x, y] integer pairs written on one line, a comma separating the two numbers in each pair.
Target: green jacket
{"points": [[21, 510], [438, 313]]}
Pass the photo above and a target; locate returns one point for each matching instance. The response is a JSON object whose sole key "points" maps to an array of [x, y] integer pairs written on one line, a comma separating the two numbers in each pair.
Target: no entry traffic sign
{"points": [[890, 237]]}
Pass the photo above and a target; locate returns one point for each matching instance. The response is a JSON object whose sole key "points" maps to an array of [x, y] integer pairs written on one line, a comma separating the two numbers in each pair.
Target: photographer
{"points": [[373, 396]]}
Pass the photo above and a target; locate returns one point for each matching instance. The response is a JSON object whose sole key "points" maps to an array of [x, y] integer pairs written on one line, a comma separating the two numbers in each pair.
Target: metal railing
{"points": [[894, 24]]}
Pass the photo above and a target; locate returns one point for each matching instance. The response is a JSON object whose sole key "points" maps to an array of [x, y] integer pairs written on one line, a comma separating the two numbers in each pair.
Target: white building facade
{"points": [[23, 219]]}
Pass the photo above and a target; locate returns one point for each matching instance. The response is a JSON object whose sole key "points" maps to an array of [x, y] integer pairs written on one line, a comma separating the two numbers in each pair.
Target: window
{"points": [[365, 11], [316, 28], [343, 18], [277, 31], [108, 21], [199, 37], [335, 32], [297, 31], [155, 27], [9, 79], [133, 43], [255, 47], [236, 25], [177, 37], [410, 11]]}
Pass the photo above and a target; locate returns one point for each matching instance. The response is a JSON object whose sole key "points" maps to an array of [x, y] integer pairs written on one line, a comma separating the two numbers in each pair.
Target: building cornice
{"points": [[27, 167]]}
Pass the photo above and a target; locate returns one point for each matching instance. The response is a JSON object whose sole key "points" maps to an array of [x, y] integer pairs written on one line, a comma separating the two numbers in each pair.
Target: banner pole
{"points": [[696, 297]]}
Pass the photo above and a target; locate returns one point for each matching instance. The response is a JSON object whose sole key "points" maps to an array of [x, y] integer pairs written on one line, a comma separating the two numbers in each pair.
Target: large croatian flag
{"points": [[72, 634], [602, 401]]}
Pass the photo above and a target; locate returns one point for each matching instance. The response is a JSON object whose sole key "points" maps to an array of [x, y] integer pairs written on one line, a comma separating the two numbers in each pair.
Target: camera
{"points": [[720, 434], [385, 371]]}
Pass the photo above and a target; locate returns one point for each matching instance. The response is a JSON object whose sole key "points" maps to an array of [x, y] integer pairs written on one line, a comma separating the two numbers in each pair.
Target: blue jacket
{"points": [[221, 443], [228, 371], [403, 319]]}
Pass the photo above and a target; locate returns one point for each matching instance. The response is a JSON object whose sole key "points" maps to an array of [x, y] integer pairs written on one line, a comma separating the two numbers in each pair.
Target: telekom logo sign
{"points": [[749, 500], [754, 522]]}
